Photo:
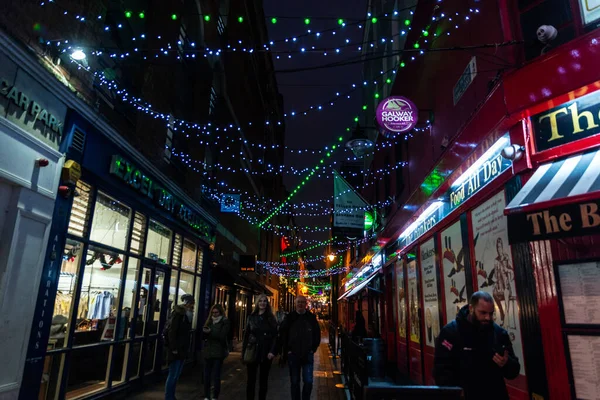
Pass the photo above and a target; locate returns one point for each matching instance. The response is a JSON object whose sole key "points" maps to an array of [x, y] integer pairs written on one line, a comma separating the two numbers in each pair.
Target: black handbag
{"points": [[251, 352]]}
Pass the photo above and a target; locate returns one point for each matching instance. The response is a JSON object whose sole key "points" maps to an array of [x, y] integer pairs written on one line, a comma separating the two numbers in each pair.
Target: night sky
{"points": [[301, 90]]}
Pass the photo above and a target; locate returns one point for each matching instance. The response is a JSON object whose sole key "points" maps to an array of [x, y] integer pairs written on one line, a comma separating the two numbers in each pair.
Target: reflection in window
{"points": [[128, 309], [186, 284], [119, 361], [96, 315], [189, 256], [159, 242], [51, 376], [137, 235], [110, 225], [67, 283]]}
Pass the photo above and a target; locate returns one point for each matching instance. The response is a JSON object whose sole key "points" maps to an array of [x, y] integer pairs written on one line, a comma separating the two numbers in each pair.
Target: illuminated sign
{"points": [[144, 185], [397, 114]]}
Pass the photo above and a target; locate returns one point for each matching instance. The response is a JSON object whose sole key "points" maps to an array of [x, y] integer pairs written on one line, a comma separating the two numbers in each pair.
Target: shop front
{"points": [[32, 120], [459, 244], [556, 216], [126, 245]]}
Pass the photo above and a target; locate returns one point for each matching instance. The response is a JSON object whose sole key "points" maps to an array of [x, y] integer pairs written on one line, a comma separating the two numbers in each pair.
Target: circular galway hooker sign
{"points": [[397, 114]]}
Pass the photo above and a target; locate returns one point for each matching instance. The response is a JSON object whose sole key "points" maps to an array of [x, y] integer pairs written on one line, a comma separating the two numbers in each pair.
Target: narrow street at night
{"points": [[304, 200]]}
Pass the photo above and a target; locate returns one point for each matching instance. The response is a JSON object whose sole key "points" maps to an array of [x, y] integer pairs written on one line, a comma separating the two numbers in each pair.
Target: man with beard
{"points": [[475, 353]]}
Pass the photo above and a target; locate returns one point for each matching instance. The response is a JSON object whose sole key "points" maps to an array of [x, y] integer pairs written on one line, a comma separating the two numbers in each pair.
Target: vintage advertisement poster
{"points": [[413, 300], [495, 270], [430, 292], [401, 298], [454, 259]]}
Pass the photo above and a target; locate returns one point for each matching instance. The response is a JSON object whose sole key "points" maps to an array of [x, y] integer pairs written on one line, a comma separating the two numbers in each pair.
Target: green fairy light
{"points": [[128, 14], [207, 18], [307, 21], [174, 17], [416, 45], [240, 19], [407, 22], [340, 21], [142, 15], [364, 107], [273, 20], [425, 33], [388, 81], [374, 20], [355, 119], [402, 64], [376, 95]]}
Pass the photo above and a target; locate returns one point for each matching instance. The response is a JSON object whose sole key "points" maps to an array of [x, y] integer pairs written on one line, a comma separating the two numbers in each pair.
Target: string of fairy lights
{"points": [[321, 170]]}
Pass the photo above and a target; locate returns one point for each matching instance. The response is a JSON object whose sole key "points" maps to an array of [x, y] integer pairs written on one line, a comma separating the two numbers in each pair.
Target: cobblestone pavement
{"points": [[233, 383]]}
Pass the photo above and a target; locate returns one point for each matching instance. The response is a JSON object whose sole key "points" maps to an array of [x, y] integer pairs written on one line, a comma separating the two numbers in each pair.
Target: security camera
{"points": [[513, 152]]}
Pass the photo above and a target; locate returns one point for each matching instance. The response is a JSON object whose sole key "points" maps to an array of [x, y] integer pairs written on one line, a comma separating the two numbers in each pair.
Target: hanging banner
{"points": [[397, 114], [430, 292], [401, 298], [348, 208], [413, 293], [454, 262], [495, 271]]}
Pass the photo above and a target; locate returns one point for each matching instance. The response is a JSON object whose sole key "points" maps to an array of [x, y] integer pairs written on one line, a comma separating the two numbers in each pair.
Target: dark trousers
{"points": [[263, 381], [305, 366], [212, 375]]}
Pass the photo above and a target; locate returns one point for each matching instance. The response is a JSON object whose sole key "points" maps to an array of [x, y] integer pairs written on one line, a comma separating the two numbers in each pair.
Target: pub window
{"points": [[110, 225], [159, 242], [80, 211]]}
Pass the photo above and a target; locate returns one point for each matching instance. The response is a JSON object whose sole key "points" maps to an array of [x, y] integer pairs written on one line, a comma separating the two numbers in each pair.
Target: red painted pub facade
{"points": [[510, 205]]}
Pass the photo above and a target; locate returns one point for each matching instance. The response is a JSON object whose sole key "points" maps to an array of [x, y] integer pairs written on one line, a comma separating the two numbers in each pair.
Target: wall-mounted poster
{"points": [[413, 300], [580, 292], [495, 273], [430, 292], [584, 352], [454, 260], [401, 299]]}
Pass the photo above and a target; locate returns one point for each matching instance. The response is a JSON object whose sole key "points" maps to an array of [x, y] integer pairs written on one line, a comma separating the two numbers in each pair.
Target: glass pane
{"points": [[200, 260], [159, 242], [140, 326], [189, 256], [51, 376], [128, 309], [136, 359], [120, 353], [80, 211], [138, 234], [186, 284], [159, 284], [110, 225], [149, 357], [173, 295], [87, 371], [67, 283], [96, 314], [177, 250]]}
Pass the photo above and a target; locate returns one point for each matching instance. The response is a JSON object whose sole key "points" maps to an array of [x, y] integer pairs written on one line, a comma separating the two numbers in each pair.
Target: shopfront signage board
{"points": [[348, 209], [397, 114], [571, 121], [465, 80], [147, 187], [576, 219], [590, 11]]}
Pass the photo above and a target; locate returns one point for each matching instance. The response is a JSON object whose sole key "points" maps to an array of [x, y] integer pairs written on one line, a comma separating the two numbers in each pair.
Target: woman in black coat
{"points": [[261, 331]]}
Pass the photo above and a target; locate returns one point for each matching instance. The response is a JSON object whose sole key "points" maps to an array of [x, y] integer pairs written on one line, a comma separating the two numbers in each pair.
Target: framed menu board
{"points": [[584, 354], [579, 293]]}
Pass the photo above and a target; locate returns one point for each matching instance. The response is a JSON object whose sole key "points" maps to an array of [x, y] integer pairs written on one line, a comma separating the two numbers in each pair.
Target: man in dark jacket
{"points": [[177, 340], [475, 353], [300, 338]]}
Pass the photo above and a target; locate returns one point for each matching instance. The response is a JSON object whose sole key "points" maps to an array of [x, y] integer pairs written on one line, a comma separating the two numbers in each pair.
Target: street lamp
{"points": [[331, 257], [78, 55], [359, 143]]}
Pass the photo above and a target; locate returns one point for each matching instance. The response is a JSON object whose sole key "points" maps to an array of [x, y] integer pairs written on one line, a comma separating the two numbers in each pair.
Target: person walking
{"points": [[359, 331], [300, 338], [261, 331], [216, 331], [177, 341], [473, 352]]}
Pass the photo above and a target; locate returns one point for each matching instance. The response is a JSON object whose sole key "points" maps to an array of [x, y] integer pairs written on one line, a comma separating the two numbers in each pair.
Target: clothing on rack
{"points": [[101, 305], [62, 304]]}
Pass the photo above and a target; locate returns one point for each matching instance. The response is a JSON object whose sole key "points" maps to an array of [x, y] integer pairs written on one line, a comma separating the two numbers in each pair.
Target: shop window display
{"points": [[189, 256], [110, 225], [97, 311], [158, 245], [67, 284]]}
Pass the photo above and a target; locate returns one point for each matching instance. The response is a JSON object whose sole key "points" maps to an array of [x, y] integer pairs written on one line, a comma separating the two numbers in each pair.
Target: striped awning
{"points": [[560, 182], [562, 199]]}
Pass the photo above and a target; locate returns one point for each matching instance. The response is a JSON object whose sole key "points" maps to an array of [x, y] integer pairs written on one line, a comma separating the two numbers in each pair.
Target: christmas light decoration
{"points": [[273, 20], [326, 242], [207, 18]]}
